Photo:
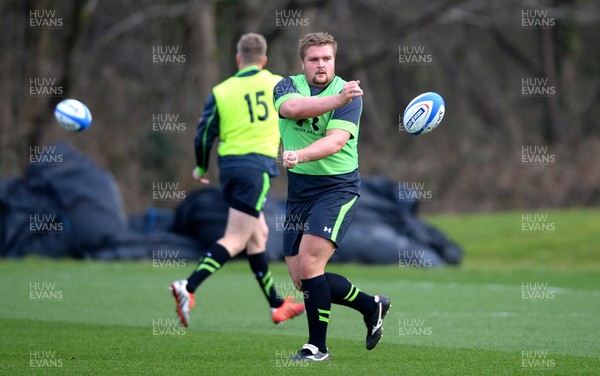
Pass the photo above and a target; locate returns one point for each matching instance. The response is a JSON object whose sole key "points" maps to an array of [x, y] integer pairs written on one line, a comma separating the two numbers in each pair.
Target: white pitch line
{"points": [[498, 314], [494, 287]]}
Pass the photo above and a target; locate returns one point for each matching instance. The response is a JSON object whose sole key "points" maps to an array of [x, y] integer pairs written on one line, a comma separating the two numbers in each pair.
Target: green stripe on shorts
{"points": [[263, 193], [340, 218]]}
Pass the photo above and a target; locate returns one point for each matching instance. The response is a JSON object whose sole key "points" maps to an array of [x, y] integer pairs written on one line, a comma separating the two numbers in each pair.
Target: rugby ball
{"points": [[73, 115], [424, 113]]}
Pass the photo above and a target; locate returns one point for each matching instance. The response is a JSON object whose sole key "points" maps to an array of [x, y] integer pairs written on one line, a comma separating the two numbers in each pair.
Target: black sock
{"points": [[211, 261], [343, 292], [317, 301], [260, 268]]}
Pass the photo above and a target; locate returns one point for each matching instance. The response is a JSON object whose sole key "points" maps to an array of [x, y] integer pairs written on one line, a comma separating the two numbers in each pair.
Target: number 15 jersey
{"points": [[241, 112]]}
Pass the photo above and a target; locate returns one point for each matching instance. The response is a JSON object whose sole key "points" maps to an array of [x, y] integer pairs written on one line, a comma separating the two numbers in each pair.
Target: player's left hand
{"points": [[350, 91], [290, 159]]}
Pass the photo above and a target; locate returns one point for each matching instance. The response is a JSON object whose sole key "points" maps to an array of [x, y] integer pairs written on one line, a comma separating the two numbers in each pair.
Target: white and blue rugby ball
{"points": [[424, 113], [73, 115]]}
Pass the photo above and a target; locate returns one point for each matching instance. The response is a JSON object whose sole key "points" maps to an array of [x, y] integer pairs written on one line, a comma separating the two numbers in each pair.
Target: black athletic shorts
{"points": [[245, 189], [328, 215]]}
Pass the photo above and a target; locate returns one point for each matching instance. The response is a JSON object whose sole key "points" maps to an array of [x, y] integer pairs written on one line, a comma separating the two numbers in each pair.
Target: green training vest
{"points": [[299, 133]]}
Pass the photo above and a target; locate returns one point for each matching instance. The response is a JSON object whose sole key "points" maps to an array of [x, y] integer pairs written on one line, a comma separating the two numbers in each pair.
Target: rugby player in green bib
{"points": [[240, 112], [319, 118]]}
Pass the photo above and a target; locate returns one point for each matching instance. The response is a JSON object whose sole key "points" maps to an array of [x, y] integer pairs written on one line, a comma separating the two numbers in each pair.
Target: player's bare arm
{"points": [[332, 143], [309, 107]]}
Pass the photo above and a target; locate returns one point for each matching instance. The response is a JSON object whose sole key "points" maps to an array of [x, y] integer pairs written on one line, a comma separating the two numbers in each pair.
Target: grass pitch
{"points": [[522, 303]]}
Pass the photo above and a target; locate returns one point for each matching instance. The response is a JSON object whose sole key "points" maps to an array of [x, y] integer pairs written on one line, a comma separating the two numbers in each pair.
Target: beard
{"points": [[318, 80]]}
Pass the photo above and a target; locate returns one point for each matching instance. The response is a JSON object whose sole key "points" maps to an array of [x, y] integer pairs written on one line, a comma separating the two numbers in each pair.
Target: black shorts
{"points": [[328, 216], [245, 189]]}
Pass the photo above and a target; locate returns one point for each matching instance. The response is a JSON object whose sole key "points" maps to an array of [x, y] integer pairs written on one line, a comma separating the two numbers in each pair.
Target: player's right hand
{"points": [[199, 178]]}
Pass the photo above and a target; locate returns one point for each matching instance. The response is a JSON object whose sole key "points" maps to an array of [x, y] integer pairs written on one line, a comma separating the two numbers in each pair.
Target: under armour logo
{"points": [[313, 123], [327, 229]]}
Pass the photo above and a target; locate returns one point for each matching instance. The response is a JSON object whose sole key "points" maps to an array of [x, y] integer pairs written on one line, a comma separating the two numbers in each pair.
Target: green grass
{"points": [[497, 240], [116, 318]]}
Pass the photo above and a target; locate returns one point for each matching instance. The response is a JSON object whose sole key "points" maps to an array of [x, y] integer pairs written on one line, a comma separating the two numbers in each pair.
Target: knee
{"points": [[309, 266]]}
